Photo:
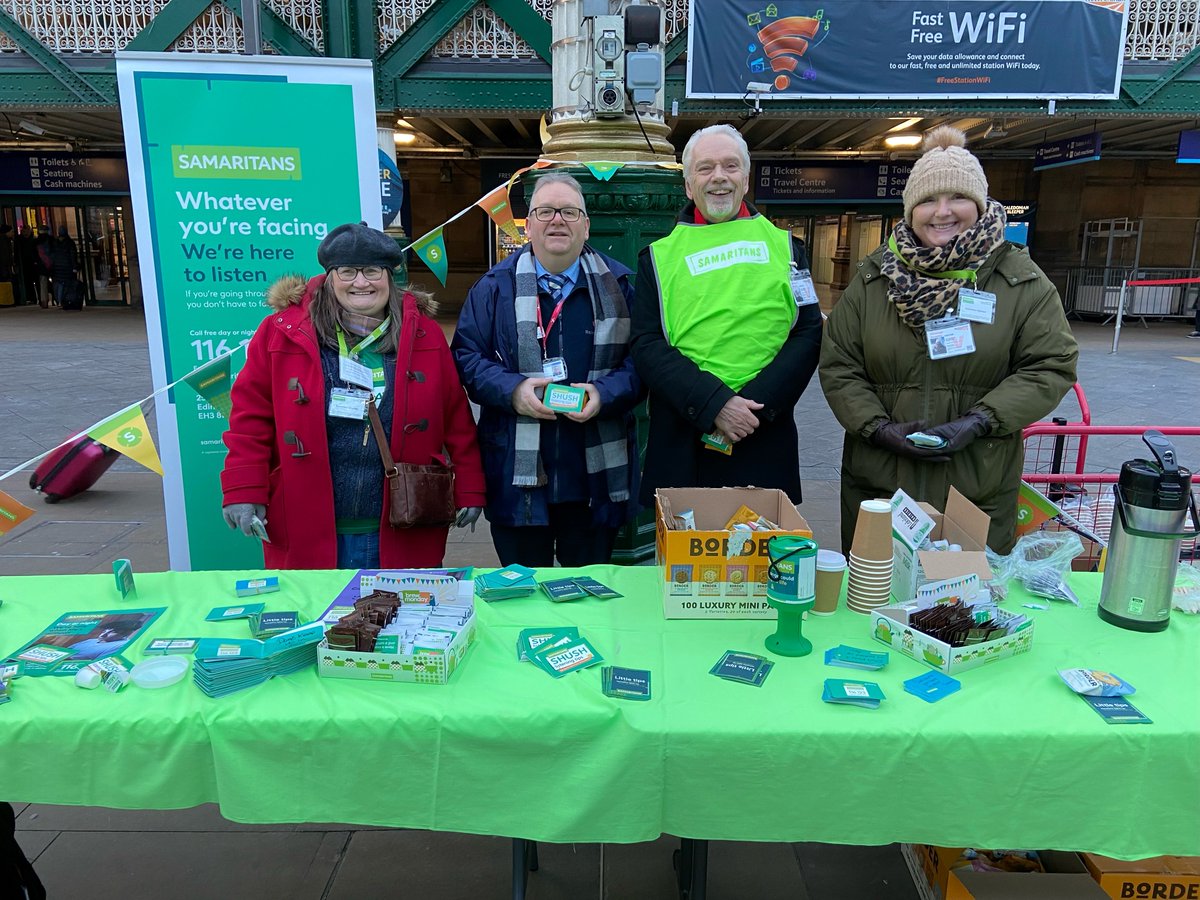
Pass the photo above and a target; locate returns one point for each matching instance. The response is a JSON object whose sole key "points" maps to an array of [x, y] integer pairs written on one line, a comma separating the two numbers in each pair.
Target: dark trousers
{"points": [[570, 536]]}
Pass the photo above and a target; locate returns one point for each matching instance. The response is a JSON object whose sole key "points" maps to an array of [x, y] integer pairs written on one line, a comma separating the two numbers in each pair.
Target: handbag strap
{"points": [[385, 452]]}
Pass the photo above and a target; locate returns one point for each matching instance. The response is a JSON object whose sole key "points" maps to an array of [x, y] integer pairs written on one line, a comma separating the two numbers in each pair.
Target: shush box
{"points": [[961, 523], [422, 668], [700, 579], [938, 875], [564, 398], [889, 625], [1166, 877]]}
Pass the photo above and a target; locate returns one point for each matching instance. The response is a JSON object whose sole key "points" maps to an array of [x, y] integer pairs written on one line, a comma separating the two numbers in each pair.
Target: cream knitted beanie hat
{"points": [[945, 167]]}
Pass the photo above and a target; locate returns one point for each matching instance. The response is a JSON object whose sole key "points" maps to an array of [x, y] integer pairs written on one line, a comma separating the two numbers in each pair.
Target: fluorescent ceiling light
{"points": [[405, 137], [902, 141]]}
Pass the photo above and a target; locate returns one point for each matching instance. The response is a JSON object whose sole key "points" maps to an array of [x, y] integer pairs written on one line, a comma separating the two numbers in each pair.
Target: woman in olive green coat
{"points": [[884, 379]]}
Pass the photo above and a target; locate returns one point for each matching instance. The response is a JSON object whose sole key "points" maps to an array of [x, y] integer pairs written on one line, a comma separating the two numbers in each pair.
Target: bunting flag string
{"points": [[127, 416], [128, 433]]}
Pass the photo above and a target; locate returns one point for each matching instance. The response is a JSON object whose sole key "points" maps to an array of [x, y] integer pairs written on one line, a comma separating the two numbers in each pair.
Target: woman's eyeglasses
{"points": [[546, 213], [347, 274]]}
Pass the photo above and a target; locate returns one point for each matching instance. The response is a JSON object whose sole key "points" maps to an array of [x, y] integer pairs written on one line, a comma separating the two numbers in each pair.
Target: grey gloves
{"points": [[468, 515], [242, 515]]}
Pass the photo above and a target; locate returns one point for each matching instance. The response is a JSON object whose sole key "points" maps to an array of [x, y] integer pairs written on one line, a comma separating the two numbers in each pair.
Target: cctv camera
{"points": [[758, 87]]}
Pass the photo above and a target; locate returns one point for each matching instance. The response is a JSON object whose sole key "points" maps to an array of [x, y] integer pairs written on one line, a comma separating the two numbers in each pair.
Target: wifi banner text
{"points": [[905, 49]]}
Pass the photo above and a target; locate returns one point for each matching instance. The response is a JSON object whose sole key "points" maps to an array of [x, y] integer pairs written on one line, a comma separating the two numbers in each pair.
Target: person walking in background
{"points": [[951, 330], [303, 461], [64, 261], [44, 265], [726, 333], [559, 485]]}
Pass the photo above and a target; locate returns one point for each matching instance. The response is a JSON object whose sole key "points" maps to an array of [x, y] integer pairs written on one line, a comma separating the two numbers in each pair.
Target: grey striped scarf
{"points": [[604, 438]]}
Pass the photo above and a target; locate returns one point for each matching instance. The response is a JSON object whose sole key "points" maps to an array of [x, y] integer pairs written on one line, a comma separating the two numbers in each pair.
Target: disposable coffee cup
{"points": [[873, 530], [831, 571]]}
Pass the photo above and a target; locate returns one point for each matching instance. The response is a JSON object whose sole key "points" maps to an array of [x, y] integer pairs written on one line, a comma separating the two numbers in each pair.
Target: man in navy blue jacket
{"points": [[558, 485]]}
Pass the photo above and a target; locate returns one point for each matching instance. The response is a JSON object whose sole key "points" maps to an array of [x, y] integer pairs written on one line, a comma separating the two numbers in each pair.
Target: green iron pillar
{"points": [[349, 29], [641, 200]]}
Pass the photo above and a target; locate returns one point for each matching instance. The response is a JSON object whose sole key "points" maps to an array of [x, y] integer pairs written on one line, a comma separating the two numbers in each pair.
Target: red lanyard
{"points": [[553, 318]]}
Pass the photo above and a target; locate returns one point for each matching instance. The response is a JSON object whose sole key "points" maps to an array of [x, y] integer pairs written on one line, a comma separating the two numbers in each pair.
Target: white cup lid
{"points": [[159, 672], [830, 561]]}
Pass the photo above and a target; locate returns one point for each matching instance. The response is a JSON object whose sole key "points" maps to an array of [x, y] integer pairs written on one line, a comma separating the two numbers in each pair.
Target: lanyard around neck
{"points": [[378, 378], [966, 274]]}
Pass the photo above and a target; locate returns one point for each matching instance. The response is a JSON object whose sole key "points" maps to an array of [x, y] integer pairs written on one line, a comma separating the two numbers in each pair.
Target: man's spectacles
{"points": [[546, 213], [347, 274]]}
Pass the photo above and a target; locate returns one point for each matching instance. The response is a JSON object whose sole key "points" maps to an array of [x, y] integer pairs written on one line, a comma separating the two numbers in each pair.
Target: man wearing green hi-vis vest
{"points": [[726, 333]]}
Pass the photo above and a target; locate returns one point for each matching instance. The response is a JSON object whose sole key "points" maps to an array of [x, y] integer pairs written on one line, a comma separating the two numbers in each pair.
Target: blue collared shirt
{"points": [[570, 274]]}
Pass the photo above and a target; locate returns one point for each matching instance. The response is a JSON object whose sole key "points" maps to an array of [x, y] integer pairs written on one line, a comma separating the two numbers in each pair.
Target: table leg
{"points": [[525, 860], [691, 869]]}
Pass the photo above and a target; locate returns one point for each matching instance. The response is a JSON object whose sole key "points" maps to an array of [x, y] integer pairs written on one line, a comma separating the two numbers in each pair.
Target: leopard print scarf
{"points": [[917, 285]]}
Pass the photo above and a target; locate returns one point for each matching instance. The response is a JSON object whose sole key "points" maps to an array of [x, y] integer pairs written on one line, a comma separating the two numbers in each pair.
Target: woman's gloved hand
{"points": [[242, 515], [960, 432], [893, 437], [468, 515]]}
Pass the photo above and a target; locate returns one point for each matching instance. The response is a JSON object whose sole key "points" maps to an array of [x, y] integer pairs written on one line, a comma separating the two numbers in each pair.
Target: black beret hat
{"points": [[357, 245]]}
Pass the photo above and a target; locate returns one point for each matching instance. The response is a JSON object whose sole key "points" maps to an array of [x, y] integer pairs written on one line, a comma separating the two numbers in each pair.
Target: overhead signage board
{"points": [[907, 49], [1189, 147], [833, 181], [61, 172], [1067, 153]]}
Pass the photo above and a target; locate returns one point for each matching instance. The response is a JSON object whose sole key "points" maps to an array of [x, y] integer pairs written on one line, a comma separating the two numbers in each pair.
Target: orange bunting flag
{"points": [[497, 207], [12, 512]]}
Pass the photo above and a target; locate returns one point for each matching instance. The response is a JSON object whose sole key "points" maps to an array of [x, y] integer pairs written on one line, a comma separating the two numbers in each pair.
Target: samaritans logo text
{"points": [[130, 437], [732, 254], [269, 163]]}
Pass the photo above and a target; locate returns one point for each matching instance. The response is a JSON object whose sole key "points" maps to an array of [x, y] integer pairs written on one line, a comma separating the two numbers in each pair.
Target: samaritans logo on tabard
{"points": [[266, 163], [731, 254]]}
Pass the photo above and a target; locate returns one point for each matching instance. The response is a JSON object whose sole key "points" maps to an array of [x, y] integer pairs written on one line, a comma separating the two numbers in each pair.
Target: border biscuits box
{"points": [[1168, 877], [962, 523], [700, 579]]}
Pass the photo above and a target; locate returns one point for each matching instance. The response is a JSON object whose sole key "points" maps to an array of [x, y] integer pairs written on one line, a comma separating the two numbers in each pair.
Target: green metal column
{"points": [[639, 204]]}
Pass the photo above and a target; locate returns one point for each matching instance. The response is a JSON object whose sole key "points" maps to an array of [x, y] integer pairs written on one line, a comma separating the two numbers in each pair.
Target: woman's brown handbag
{"points": [[421, 496]]}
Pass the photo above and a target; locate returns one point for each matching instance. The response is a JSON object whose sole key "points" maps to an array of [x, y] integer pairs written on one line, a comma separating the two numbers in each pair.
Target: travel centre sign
{"points": [[897, 49]]}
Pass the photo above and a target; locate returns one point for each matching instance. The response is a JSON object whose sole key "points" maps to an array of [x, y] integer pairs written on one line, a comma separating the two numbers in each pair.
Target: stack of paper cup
{"points": [[870, 583]]}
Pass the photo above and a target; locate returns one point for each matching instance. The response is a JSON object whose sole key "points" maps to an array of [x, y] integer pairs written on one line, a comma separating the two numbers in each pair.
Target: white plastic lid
{"points": [[875, 506], [160, 672], [87, 678], [830, 561]]}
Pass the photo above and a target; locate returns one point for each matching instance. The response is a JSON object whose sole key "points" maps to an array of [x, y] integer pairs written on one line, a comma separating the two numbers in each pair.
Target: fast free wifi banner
{"points": [[896, 49], [238, 167]]}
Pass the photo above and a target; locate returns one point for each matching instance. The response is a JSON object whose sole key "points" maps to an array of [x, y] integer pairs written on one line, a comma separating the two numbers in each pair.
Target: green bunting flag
{"points": [[604, 170], [212, 382], [432, 249]]}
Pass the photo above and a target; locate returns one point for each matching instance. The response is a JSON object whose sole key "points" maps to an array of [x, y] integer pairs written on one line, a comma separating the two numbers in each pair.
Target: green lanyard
{"points": [[966, 274], [373, 361]]}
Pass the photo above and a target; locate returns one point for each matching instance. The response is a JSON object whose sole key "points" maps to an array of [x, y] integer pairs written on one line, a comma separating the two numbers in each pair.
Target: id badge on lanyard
{"points": [[554, 367], [354, 372], [976, 306], [949, 336]]}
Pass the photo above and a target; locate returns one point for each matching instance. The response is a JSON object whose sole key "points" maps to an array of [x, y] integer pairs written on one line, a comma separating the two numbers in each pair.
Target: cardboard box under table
{"points": [[1156, 878], [936, 878], [428, 667], [700, 580], [962, 523]]}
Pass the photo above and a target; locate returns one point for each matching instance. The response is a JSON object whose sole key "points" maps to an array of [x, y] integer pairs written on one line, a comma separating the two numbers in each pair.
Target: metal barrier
{"points": [[1184, 288], [1158, 292], [1059, 458]]}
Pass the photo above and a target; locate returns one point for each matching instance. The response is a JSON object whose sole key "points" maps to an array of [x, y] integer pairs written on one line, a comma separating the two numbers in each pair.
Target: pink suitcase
{"points": [[72, 469]]}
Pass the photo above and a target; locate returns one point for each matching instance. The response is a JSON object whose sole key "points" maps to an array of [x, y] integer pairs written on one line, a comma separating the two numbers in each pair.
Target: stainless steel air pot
{"points": [[1152, 501]]}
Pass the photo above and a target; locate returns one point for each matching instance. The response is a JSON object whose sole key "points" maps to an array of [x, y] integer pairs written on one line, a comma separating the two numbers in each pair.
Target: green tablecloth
{"points": [[1013, 759]]}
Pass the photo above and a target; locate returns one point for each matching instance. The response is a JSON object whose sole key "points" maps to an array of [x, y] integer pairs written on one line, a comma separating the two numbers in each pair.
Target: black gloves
{"points": [[892, 436], [962, 431]]}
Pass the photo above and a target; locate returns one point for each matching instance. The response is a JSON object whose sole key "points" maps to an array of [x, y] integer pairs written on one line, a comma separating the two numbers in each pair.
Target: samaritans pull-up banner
{"points": [[901, 49], [238, 167]]}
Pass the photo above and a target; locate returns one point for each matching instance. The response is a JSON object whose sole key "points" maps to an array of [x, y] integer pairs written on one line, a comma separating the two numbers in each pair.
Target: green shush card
{"points": [[561, 658], [531, 639], [563, 589], [238, 611]]}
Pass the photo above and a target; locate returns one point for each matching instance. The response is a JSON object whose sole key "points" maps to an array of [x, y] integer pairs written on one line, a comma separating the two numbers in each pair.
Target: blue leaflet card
{"points": [[629, 684], [744, 667], [854, 658], [932, 686], [240, 611], [854, 693], [1116, 710]]}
